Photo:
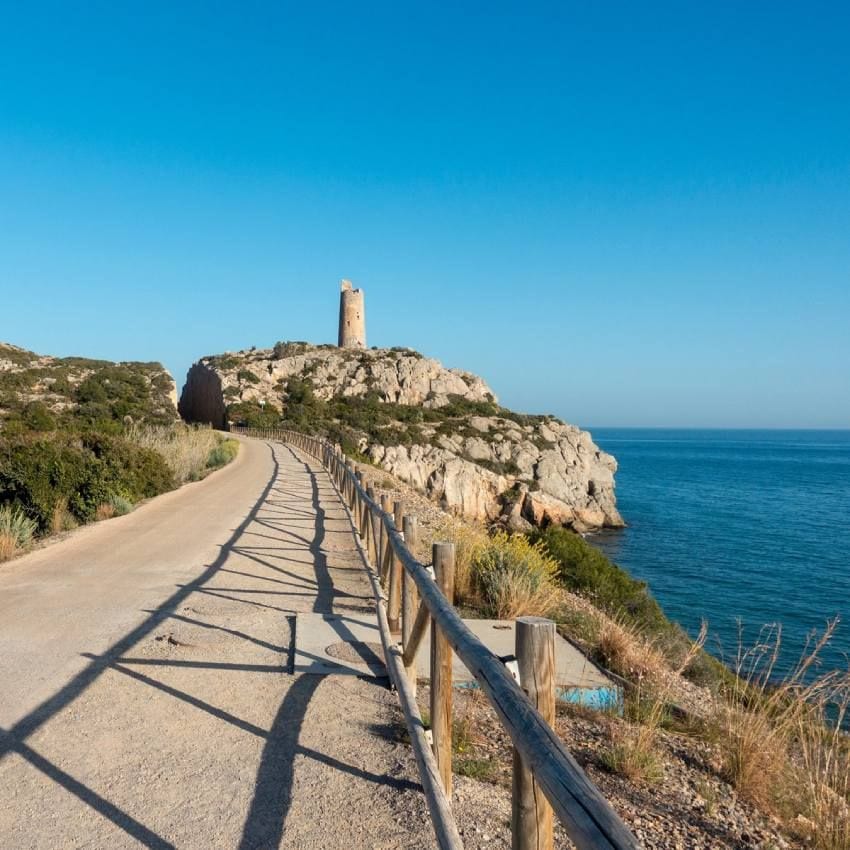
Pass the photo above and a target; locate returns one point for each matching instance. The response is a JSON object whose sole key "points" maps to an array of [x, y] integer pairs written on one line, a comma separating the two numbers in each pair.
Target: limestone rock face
{"points": [[400, 376], [570, 484], [477, 459], [202, 399]]}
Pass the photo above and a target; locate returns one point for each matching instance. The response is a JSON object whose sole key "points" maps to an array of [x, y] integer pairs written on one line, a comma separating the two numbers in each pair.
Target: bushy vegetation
{"points": [[120, 505], [79, 394], [585, 570], [222, 454], [288, 349], [53, 482], [502, 575], [189, 451], [252, 414], [512, 577], [349, 421], [40, 473], [82, 440], [246, 376], [225, 362], [16, 531]]}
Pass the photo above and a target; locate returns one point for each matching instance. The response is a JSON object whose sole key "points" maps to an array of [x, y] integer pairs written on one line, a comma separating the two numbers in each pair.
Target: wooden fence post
{"points": [[386, 548], [370, 530], [531, 814], [349, 487], [409, 597], [358, 505], [441, 669], [394, 595]]}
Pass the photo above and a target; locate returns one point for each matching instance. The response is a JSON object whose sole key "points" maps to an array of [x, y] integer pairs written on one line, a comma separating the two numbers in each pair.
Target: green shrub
{"points": [[138, 472], [37, 417], [288, 349], [15, 524], [223, 453], [40, 473], [225, 362], [252, 414], [585, 570], [119, 504], [247, 376], [512, 576]]}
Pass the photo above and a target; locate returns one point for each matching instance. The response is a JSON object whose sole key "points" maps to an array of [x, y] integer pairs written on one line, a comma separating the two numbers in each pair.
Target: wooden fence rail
{"points": [[417, 596]]}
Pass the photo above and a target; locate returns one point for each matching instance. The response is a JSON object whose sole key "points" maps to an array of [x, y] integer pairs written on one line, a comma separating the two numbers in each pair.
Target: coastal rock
{"points": [[399, 376], [202, 399], [449, 437]]}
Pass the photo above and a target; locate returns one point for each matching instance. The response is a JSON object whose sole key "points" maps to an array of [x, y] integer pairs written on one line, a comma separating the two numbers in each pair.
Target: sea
{"points": [[742, 529]]}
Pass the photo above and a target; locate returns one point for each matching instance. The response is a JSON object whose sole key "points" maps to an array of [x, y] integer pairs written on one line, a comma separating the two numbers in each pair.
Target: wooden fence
{"points": [[411, 596]]}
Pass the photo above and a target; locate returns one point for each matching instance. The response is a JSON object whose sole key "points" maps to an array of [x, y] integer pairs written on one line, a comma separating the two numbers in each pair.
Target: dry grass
{"points": [[186, 449], [62, 519], [782, 740], [501, 576], [625, 651], [757, 717], [104, 511], [824, 758], [8, 546], [469, 542], [634, 751]]}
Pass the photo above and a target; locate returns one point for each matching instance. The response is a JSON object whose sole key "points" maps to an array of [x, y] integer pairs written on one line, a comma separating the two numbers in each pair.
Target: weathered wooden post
{"points": [[358, 506], [409, 596], [349, 479], [386, 548], [370, 529], [394, 595], [531, 814], [441, 669]]}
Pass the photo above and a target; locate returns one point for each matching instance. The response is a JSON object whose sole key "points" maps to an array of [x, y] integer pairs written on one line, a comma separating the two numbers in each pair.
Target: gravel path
{"points": [[145, 698]]}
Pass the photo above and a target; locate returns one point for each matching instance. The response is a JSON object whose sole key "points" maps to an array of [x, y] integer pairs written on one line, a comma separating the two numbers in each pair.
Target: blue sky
{"points": [[624, 214]]}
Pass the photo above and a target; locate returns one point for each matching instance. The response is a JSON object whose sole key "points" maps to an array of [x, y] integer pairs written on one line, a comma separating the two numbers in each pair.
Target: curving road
{"points": [[145, 698]]}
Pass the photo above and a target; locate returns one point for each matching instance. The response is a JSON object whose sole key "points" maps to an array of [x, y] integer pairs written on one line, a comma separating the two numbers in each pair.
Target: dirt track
{"points": [[145, 698]]}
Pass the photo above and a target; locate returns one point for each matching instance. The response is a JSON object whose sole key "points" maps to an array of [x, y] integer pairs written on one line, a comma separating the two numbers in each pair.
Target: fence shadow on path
{"points": [[13, 740], [272, 798]]}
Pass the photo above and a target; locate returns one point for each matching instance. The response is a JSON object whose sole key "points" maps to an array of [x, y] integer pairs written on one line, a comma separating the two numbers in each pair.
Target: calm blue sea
{"points": [[728, 525]]}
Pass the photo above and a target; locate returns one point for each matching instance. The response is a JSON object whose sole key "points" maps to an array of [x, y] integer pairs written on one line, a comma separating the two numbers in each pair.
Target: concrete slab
{"points": [[344, 645], [338, 645], [577, 679]]}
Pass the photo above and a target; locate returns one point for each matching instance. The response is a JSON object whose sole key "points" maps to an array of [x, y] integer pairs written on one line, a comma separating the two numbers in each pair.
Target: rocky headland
{"points": [[442, 430]]}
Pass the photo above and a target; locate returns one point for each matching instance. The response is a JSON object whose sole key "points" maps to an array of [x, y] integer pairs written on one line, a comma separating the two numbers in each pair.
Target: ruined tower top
{"points": [[352, 317]]}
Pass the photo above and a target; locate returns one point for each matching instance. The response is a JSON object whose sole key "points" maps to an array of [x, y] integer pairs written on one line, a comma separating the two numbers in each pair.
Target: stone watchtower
{"points": [[352, 317]]}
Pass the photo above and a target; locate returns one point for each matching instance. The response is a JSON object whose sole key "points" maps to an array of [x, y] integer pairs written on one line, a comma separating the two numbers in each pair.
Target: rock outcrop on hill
{"points": [[439, 429], [40, 392]]}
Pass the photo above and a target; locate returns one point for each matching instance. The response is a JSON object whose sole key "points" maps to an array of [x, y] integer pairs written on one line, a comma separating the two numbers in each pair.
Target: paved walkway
{"points": [[145, 693]]}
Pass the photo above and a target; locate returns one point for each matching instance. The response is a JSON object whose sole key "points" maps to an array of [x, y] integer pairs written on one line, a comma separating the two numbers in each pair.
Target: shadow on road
{"points": [[266, 817]]}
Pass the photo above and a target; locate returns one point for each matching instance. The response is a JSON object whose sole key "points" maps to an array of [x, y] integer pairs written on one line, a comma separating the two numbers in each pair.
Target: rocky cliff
{"points": [[40, 392], [440, 429]]}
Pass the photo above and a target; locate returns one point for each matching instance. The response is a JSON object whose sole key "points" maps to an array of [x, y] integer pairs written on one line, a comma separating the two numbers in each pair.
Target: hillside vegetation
{"points": [[42, 393], [84, 440]]}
